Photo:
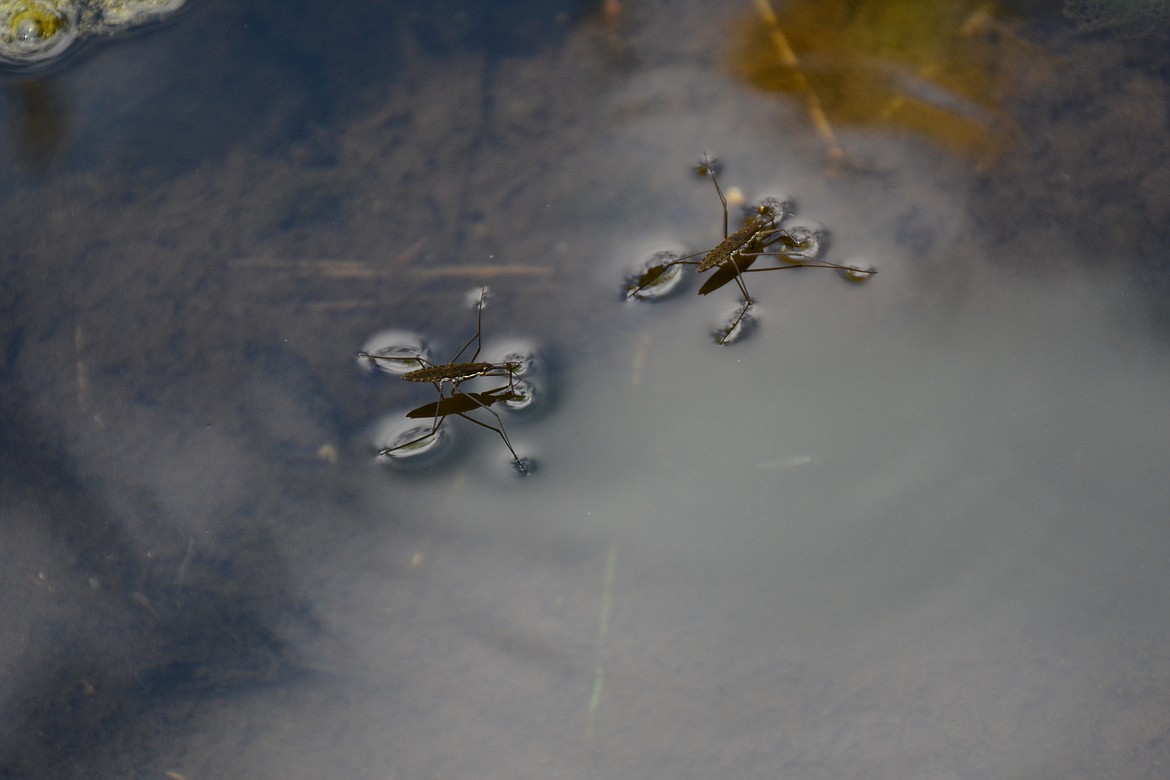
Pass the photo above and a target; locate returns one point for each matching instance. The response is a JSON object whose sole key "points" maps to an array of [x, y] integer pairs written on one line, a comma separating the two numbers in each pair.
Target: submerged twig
{"points": [[789, 60], [479, 271], [602, 633]]}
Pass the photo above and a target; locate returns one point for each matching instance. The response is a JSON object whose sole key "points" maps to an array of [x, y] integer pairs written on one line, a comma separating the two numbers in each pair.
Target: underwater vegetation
{"points": [[38, 31], [938, 69], [1125, 17]]}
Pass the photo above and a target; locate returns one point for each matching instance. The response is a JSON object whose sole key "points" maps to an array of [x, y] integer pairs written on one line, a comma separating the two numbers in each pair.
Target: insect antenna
{"points": [[709, 167], [478, 330]]}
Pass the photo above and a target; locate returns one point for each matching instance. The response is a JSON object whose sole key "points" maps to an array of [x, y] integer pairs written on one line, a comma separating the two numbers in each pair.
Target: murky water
{"points": [[912, 528]]}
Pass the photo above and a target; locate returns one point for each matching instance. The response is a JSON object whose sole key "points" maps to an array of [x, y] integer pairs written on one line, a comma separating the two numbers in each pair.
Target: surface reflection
{"points": [[448, 379], [912, 528], [760, 233], [43, 123]]}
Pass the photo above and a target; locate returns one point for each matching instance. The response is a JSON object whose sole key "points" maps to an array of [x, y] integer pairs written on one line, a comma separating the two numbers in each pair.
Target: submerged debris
{"points": [[935, 68]]}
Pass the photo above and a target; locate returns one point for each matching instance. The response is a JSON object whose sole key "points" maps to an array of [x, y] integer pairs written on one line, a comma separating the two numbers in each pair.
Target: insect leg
{"points": [[654, 271], [794, 263], [707, 167], [424, 437], [374, 358], [731, 332], [438, 420], [478, 330], [499, 430], [739, 272]]}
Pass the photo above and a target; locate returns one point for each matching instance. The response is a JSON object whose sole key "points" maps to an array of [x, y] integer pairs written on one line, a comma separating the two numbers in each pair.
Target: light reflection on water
{"points": [[857, 544], [912, 528]]}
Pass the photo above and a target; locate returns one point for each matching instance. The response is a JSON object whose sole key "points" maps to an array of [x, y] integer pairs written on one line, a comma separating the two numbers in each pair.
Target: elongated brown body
{"points": [[738, 240], [456, 372]]}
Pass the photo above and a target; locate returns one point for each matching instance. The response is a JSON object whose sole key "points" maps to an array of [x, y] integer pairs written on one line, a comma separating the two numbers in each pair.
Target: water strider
{"points": [[735, 255], [453, 401]]}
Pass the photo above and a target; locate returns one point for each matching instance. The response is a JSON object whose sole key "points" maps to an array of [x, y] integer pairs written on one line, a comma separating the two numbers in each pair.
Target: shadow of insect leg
{"points": [[499, 430]]}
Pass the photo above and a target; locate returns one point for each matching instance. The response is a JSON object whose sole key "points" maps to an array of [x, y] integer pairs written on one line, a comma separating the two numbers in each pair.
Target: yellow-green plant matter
{"points": [[936, 68], [34, 31]]}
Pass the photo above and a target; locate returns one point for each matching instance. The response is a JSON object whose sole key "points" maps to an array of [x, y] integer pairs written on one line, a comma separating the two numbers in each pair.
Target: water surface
{"points": [[911, 528]]}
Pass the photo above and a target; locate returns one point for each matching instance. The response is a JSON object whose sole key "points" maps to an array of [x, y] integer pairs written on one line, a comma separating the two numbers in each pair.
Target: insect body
{"points": [[454, 401], [751, 235], [758, 226], [451, 372]]}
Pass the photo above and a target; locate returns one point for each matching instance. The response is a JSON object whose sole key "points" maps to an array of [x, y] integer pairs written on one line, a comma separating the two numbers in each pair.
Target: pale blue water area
{"points": [[910, 528]]}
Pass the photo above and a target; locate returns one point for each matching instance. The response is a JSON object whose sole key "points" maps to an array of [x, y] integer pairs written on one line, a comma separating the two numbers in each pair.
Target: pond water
{"points": [[909, 528]]}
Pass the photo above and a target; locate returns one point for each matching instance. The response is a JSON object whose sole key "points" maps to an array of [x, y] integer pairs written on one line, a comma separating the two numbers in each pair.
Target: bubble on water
{"points": [[36, 30]]}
